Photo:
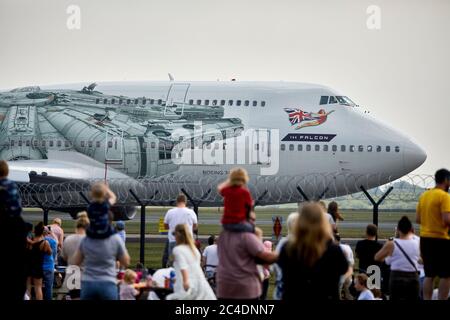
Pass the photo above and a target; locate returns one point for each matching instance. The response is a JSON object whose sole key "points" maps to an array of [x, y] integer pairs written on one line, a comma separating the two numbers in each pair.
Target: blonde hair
{"points": [[238, 177], [130, 276], [311, 234], [98, 192], [82, 222], [82, 214], [323, 205], [291, 222], [183, 236]]}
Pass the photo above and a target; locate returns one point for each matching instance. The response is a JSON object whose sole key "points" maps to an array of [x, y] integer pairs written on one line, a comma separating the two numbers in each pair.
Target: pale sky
{"points": [[400, 72]]}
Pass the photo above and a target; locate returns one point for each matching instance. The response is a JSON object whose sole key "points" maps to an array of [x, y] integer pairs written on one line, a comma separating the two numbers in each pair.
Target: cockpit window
{"points": [[345, 100], [337, 99], [332, 100]]}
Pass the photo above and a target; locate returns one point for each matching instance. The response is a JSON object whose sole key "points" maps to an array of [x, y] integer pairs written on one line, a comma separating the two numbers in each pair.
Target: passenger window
{"points": [[153, 145], [378, 148], [332, 100], [199, 102], [136, 101], [369, 148], [191, 102], [214, 103], [58, 143], [128, 101], [105, 101], [152, 101], [255, 103], [144, 101], [360, 148], [206, 102], [325, 147], [20, 143], [144, 145], [113, 101], [238, 102], [42, 143], [342, 148], [334, 148], [27, 143], [120, 101], [66, 144], [90, 144], [388, 149], [308, 147], [82, 144], [291, 147], [109, 144], [263, 103], [160, 101], [230, 102], [300, 147], [352, 148], [97, 101], [35, 143], [323, 99], [246, 103], [222, 102], [397, 149], [97, 144], [317, 147], [283, 147]]}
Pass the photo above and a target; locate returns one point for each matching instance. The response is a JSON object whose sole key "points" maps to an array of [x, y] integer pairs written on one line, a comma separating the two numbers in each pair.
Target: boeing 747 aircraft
{"points": [[194, 132]]}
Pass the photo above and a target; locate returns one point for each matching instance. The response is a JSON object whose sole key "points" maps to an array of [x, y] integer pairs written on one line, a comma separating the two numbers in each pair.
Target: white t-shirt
{"points": [[178, 216], [366, 295], [330, 219], [211, 257], [348, 253]]}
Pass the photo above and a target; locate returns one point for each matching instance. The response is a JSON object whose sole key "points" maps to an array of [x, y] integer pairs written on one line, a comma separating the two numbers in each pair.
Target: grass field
{"points": [[206, 227]]}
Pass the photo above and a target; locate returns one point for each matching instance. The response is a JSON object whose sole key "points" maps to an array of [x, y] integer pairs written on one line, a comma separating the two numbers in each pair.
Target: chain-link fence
{"points": [[265, 189]]}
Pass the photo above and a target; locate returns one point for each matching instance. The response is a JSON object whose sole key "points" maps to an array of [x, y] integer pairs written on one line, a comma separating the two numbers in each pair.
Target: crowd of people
{"points": [[311, 262]]}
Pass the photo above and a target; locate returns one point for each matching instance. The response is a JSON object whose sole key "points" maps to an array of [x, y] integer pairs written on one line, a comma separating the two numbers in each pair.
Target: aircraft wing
{"points": [[61, 165]]}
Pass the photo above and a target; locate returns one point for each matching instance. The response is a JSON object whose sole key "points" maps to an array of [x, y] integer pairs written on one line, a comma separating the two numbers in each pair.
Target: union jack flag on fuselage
{"points": [[311, 119]]}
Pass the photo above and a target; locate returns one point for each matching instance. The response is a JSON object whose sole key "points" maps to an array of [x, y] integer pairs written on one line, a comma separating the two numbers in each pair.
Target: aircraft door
{"points": [[176, 97], [261, 144], [114, 148]]}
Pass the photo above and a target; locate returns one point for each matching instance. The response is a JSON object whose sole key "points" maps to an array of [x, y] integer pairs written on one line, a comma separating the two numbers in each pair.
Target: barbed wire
{"points": [[265, 189]]}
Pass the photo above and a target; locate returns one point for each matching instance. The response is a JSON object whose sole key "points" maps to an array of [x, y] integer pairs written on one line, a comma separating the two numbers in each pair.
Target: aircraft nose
{"points": [[413, 156]]}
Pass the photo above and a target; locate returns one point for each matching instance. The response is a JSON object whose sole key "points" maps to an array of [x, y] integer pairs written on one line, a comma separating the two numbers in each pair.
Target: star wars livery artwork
{"points": [[134, 135]]}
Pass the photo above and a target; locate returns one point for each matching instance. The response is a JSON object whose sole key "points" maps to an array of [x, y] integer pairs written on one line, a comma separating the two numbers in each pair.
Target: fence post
{"points": [[376, 204], [262, 196], [142, 228], [45, 210]]}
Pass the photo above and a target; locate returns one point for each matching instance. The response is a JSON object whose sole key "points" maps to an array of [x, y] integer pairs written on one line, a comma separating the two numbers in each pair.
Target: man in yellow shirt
{"points": [[433, 215]]}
